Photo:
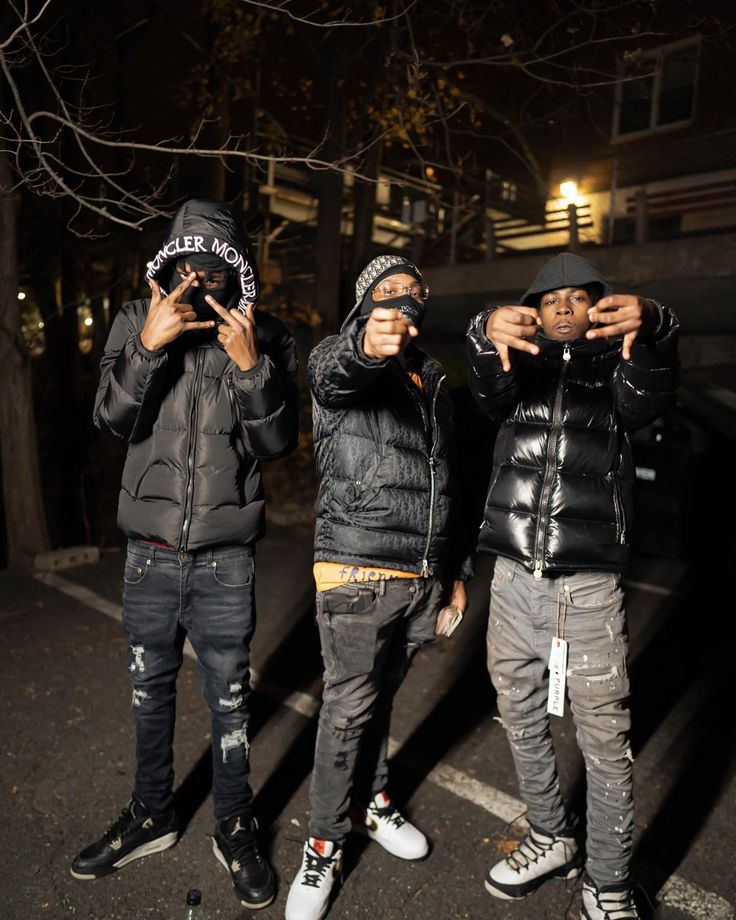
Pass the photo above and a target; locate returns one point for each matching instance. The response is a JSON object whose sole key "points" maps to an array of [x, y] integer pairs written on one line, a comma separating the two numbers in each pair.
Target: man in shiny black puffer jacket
{"points": [[557, 515]]}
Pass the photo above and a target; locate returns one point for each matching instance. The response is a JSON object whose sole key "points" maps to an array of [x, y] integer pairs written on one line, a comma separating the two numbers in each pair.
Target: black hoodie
{"points": [[196, 425], [560, 492]]}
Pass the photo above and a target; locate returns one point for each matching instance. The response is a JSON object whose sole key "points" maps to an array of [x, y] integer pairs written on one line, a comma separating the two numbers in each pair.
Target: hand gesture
{"points": [[237, 334], [510, 327], [387, 332], [167, 318], [621, 314]]}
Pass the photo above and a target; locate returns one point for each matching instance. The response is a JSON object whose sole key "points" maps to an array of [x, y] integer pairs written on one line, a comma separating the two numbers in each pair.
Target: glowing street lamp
{"points": [[21, 295], [569, 189], [88, 321]]}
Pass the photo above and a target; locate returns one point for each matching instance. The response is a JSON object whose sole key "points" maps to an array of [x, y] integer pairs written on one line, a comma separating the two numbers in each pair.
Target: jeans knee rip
{"points": [[139, 697], [234, 740], [137, 664], [236, 697]]}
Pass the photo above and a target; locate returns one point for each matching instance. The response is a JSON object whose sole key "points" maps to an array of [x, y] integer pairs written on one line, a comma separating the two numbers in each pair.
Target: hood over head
{"points": [[375, 270], [211, 231], [565, 270]]}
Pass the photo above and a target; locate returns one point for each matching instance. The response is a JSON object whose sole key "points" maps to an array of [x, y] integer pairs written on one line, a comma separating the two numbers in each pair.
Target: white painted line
{"points": [[651, 589], [703, 905], [691, 899]]}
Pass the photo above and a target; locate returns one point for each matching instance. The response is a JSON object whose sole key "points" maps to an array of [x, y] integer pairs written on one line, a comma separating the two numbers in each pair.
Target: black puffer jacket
{"points": [[386, 495], [560, 492], [196, 425]]}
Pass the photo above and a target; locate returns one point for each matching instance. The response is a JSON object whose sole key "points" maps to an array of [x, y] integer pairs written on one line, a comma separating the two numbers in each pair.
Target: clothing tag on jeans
{"points": [[557, 674]]}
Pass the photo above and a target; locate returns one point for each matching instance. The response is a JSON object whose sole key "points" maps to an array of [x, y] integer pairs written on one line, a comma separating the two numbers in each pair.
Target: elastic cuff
{"points": [[251, 372], [146, 352]]}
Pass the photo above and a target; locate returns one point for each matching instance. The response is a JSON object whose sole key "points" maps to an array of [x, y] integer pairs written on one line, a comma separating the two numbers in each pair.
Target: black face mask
{"points": [[226, 295], [413, 310]]}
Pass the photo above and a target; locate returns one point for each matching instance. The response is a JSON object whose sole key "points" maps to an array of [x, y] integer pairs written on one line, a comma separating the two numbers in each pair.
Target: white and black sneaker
{"points": [[309, 894], [608, 903], [136, 833], [537, 858], [384, 823]]}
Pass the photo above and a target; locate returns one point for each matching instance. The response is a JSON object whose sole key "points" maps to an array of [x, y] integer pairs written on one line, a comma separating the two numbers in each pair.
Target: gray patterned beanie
{"points": [[377, 267]]}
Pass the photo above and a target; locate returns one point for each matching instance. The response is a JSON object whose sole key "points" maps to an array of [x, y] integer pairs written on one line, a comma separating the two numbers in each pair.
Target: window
{"points": [[665, 93]]}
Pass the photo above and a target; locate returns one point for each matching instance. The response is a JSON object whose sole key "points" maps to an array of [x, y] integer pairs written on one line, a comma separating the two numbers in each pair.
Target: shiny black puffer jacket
{"points": [[560, 492], [196, 425], [383, 453]]}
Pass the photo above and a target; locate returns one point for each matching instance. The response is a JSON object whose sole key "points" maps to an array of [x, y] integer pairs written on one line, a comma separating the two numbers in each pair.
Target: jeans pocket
{"points": [[233, 570], [348, 599], [136, 567], [503, 572], [593, 590]]}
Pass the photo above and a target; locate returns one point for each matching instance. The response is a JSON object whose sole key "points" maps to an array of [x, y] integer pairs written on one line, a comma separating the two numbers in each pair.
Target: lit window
{"points": [[665, 93]]}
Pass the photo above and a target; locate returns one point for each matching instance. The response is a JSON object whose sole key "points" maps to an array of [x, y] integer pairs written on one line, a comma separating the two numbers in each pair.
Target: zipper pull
{"points": [[425, 569], [566, 353], [538, 570]]}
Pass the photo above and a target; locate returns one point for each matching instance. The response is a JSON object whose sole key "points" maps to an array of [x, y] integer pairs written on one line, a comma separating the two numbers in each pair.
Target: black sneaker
{"points": [[136, 833], [235, 845]]}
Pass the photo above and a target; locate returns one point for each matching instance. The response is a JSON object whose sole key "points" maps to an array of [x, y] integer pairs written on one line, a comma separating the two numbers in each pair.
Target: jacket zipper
{"points": [[541, 534], [426, 569], [619, 511], [191, 447]]}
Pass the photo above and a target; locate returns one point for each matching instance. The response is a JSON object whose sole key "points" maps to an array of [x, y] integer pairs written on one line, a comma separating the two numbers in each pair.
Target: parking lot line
{"points": [[692, 900]]}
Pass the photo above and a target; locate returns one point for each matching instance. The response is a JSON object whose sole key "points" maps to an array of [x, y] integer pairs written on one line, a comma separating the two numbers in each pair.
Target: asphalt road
{"points": [[66, 746]]}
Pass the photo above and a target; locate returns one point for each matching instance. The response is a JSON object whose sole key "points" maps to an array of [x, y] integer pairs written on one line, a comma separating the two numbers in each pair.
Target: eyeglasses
{"points": [[210, 280], [393, 289]]}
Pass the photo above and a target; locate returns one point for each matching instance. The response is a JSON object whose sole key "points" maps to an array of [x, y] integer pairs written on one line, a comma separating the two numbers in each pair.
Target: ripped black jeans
{"points": [[207, 596], [369, 634]]}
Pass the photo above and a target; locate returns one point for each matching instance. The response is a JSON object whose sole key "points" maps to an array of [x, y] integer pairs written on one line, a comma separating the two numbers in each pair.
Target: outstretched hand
{"points": [[167, 318], [510, 327], [237, 334], [387, 333], [621, 314]]}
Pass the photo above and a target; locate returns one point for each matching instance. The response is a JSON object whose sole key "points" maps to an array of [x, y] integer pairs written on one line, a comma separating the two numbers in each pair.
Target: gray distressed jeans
{"points": [[587, 607], [369, 634]]}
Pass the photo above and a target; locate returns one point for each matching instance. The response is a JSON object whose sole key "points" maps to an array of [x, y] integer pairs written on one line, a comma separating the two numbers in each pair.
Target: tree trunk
{"points": [[25, 521], [327, 249]]}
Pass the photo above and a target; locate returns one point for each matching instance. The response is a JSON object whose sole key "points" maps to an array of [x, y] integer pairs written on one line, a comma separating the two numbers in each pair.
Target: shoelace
{"points": [[616, 905], [390, 813], [122, 823], [243, 845], [316, 868], [527, 853]]}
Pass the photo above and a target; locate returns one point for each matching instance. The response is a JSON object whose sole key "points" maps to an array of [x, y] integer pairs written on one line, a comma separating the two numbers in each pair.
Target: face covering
{"points": [[226, 294], [413, 310]]}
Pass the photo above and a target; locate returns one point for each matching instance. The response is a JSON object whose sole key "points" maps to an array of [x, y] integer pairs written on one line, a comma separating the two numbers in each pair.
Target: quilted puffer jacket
{"points": [[560, 490], [383, 452], [196, 425]]}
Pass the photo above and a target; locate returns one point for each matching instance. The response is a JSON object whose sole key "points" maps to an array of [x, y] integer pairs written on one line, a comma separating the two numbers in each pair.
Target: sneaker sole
{"points": [[252, 905], [146, 849], [366, 832], [514, 892]]}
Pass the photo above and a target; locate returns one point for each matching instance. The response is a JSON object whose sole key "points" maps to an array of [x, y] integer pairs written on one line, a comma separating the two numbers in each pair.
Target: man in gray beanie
{"points": [[388, 554]]}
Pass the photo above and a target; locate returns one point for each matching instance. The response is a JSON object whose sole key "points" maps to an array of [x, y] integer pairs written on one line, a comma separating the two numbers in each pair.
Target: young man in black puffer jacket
{"points": [[566, 390], [202, 386], [388, 550]]}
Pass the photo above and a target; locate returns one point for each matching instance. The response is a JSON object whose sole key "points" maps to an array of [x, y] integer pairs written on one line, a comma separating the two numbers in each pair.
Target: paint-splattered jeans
{"points": [[524, 615], [369, 635], [209, 597]]}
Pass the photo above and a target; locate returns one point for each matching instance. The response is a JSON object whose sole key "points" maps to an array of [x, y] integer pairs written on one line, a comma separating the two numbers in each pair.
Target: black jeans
{"points": [[209, 596], [369, 634]]}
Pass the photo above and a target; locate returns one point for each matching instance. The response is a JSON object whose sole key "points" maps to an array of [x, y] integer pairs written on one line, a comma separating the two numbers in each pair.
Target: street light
{"points": [[88, 321], [569, 188], [21, 295]]}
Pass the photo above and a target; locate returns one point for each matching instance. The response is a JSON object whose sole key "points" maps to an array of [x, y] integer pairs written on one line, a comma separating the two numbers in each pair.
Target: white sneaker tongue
{"points": [[323, 847]]}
